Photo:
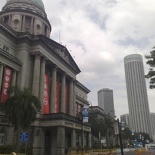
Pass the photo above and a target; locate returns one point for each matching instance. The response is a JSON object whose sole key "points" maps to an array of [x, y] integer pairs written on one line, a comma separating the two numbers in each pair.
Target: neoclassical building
{"points": [[29, 58]]}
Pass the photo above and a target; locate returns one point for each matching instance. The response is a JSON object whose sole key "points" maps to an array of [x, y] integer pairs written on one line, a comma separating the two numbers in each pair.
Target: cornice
{"points": [[10, 57], [7, 29], [60, 51]]}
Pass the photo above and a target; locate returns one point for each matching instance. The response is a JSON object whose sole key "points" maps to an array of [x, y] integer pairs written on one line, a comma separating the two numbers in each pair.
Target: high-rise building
{"points": [[106, 101], [152, 120], [125, 118], [137, 93]]}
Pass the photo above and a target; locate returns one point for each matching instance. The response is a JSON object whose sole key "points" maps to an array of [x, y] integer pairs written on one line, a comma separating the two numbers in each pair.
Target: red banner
{"points": [[6, 83], [46, 96], [57, 97]]}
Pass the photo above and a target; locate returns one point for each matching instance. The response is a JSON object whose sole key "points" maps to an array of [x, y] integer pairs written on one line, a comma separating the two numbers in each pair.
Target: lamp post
{"points": [[120, 137], [108, 130]]}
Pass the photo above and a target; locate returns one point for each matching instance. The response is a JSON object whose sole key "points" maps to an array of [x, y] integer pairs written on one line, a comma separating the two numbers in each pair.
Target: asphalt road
{"points": [[142, 153]]}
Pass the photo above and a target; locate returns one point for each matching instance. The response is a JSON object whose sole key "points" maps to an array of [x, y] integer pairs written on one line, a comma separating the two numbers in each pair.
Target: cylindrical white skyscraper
{"points": [[137, 93]]}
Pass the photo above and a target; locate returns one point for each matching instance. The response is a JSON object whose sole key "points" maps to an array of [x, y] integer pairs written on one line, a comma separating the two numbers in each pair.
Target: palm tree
{"points": [[21, 108]]}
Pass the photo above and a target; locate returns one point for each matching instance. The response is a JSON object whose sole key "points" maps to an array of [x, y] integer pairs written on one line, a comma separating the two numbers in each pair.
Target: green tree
{"points": [[151, 62], [127, 136], [102, 126], [21, 108], [95, 123], [108, 128]]}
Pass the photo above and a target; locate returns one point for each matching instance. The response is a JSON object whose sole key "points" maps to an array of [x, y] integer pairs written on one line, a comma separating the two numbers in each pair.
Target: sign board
{"points": [[149, 147], [23, 137], [132, 131], [122, 125], [103, 141], [85, 113], [116, 129]]}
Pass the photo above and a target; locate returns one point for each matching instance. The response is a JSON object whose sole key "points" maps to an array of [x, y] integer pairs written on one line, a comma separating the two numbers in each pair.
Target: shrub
{"points": [[7, 149]]}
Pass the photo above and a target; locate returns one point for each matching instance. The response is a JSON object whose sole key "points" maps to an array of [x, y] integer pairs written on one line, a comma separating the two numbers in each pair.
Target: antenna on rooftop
{"points": [[59, 36]]}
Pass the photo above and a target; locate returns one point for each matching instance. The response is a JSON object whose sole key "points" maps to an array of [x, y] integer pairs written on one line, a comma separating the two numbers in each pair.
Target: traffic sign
{"points": [[23, 137]]}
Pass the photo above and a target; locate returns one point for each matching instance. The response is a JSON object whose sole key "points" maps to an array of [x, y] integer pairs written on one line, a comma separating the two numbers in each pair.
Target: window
{"points": [[16, 22]]}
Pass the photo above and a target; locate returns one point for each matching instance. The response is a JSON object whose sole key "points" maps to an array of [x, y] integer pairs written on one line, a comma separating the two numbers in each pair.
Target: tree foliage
{"points": [[103, 125], [21, 107], [151, 62], [95, 125]]}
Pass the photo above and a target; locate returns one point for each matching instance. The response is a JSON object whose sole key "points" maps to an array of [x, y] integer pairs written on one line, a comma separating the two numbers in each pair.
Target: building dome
{"points": [[26, 15], [38, 3]]}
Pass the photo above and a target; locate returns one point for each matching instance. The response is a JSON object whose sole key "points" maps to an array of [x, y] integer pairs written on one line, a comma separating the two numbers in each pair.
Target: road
{"points": [[142, 153]]}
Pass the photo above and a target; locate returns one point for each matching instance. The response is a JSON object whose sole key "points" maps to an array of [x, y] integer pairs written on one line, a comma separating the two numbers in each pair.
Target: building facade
{"points": [[29, 58], [106, 101], [152, 122], [137, 93], [126, 119]]}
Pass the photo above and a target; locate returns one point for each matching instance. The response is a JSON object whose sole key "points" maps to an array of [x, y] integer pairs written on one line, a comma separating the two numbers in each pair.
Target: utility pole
{"points": [[120, 137]]}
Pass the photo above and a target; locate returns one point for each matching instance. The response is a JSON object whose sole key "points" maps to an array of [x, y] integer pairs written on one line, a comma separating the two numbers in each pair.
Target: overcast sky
{"points": [[99, 34]]}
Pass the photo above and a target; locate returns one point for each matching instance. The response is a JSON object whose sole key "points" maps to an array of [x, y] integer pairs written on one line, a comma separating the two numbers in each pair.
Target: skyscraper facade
{"points": [[152, 120], [126, 119], [106, 101], [137, 93]]}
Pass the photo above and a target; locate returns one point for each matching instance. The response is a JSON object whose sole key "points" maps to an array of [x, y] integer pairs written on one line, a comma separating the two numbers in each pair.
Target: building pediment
{"points": [[50, 45]]}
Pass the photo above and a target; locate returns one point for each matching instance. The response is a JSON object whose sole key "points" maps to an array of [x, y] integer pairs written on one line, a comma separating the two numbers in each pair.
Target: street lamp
{"points": [[120, 136], [109, 118], [111, 112]]}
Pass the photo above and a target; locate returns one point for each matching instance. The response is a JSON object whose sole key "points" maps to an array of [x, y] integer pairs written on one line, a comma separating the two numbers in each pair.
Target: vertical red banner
{"points": [[46, 96], [57, 97], [6, 83]]}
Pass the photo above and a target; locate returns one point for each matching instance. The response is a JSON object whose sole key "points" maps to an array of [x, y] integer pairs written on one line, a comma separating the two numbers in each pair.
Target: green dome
{"points": [[37, 3]]}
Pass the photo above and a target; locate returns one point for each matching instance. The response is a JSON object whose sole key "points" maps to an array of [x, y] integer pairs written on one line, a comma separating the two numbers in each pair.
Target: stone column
{"points": [[60, 149], [71, 97], [63, 87], [36, 75], [9, 19], [53, 90], [73, 138], [43, 25], [38, 134], [31, 25], [23, 26], [1, 74], [14, 76], [82, 137], [42, 75], [89, 139], [74, 98]]}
